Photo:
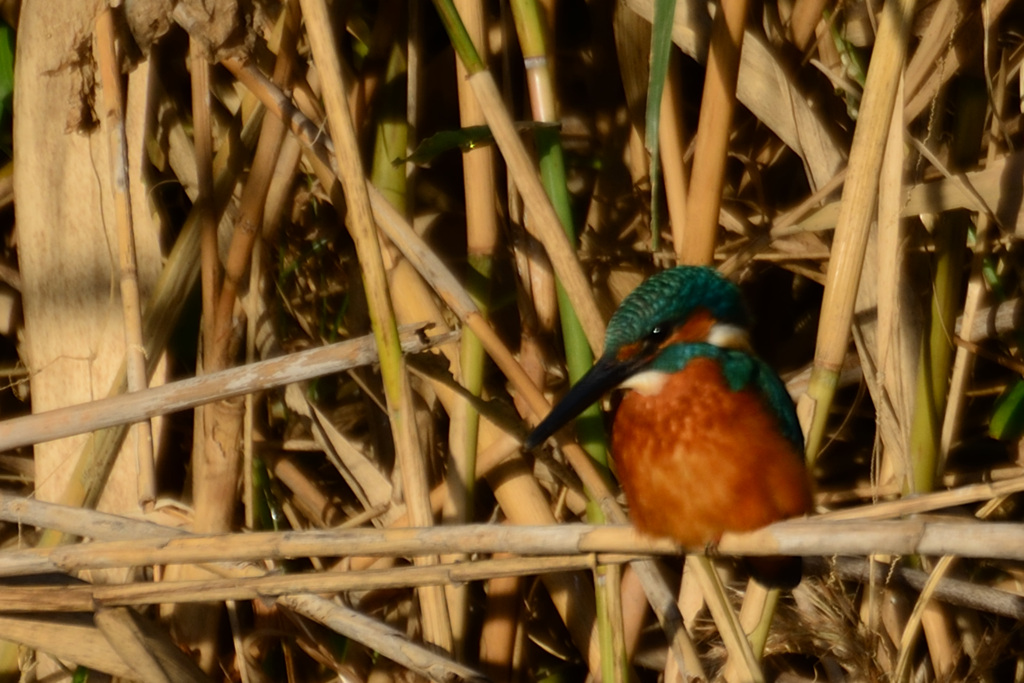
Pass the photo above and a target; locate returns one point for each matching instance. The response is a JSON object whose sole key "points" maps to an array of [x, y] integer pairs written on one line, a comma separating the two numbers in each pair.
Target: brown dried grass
{"points": [[321, 453]]}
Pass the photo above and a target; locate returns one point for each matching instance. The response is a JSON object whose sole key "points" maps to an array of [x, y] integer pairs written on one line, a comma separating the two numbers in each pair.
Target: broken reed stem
{"points": [[131, 300]]}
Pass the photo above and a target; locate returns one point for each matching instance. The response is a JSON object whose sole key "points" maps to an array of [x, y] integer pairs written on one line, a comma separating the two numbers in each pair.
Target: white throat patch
{"points": [[726, 336], [722, 335], [647, 382]]}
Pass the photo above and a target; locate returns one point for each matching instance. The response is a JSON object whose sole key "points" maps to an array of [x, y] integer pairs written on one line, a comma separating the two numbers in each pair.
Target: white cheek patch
{"points": [[726, 336], [648, 382]]}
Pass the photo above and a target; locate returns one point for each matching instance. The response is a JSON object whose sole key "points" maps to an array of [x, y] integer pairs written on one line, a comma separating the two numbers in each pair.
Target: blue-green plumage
{"points": [[671, 296], [741, 371], [706, 438], [642, 325]]}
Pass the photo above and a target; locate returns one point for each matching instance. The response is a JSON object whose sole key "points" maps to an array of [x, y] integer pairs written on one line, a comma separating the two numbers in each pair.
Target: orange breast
{"points": [[698, 459]]}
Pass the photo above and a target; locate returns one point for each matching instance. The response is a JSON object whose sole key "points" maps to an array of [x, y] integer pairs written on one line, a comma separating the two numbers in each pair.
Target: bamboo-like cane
{"points": [[131, 300], [856, 211], [437, 629], [712, 137]]}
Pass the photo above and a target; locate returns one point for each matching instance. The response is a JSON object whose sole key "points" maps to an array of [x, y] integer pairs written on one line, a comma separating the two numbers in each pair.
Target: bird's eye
{"points": [[658, 334]]}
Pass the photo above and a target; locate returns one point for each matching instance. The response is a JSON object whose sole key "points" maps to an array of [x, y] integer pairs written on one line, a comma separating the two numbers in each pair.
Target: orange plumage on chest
{"points": [[697, 459]]}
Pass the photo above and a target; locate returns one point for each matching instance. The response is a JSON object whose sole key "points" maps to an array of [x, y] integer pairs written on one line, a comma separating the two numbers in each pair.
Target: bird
{"points": [[705, 439]]}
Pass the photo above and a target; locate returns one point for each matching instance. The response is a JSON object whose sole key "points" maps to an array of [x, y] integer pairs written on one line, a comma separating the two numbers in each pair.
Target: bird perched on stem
{"points": [[706, 438]]}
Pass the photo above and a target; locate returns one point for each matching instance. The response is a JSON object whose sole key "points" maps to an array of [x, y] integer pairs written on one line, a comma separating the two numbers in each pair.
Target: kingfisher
{"points": [[705, 439]]}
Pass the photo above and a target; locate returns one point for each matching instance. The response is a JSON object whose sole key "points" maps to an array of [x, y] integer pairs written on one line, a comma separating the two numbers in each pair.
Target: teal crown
{"points": [[670, 296]]}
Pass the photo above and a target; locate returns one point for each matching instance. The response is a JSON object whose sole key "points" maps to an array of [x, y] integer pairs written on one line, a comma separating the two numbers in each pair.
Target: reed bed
{"points": [[356, 250]]}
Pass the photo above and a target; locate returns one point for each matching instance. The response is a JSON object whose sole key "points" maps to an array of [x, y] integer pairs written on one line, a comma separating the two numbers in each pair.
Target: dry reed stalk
{"points": [[742, 664], [478, 172], [202, 139], [315, 504], [856, 211], [404, 237], [929, 616], [521, 497], [375, 635], [524, 502], [120, 409], [804, 18], [146, 647], [957, 47], [963, 363], [135, 359], [502, 625], [712, 138], [481, 243], [673, 151], [975, 190], [956, 592], [157, 546], [437, 627], [524, 497], [198, 624], [218, 465], [72, 639], [765, 88], [380, 637], [894, 339], [546, 226], [176, 279], [87, 597]]}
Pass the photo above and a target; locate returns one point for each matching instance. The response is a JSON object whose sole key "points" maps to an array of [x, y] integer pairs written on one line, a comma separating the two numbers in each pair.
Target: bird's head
{"points": [[674, 316]]}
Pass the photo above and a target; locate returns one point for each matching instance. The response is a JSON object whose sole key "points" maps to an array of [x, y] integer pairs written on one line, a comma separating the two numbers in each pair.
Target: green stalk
{"points": [[392, 134], [532, 31], [661, 48], [579, 359], [936, 358], [471, 362]]}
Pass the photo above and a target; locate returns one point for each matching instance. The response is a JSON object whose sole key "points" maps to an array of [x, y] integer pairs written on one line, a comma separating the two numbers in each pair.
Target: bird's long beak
{"points": [[608, 373]]}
